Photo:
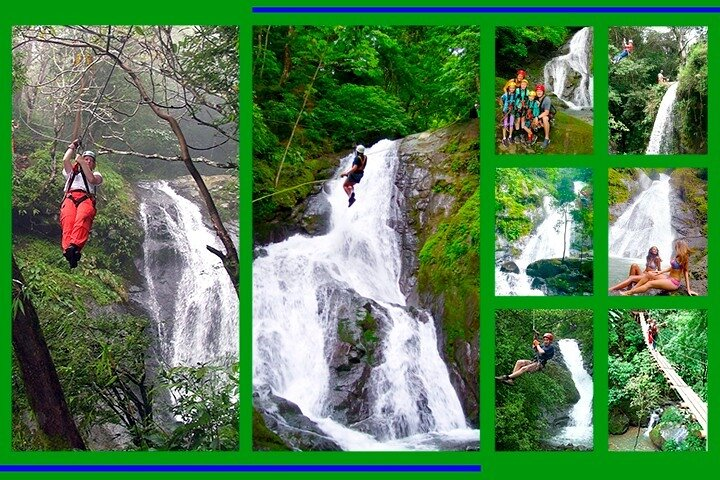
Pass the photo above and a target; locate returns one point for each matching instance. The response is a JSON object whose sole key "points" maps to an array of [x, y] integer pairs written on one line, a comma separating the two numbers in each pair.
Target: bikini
{"points": [[675, 266]]}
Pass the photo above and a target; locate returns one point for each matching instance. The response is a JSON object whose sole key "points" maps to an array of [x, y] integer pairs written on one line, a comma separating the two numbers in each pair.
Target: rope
{"points": [[102, 92], [288, 189]]}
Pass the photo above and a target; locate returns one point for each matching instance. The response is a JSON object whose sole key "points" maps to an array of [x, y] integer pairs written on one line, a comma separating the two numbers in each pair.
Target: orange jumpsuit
{"points": [[76, 217]]}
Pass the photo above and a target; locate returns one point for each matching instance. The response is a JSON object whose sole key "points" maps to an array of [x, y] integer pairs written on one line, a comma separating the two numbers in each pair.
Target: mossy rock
{"points": [[263, 438], [618, 422]]}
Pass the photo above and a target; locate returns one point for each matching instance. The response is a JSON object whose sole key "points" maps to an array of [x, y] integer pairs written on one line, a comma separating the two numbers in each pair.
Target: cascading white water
{"points": [[548, 241], [191, 298], [654, 418], [361, 253], [579, 431], [645, 223], [661, 138], [578, 61]]}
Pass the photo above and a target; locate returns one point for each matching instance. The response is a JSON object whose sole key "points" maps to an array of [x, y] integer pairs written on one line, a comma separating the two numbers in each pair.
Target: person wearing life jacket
{"points": [[544, 351], [77, 211], [531, 113], [545, 108], [627, 50], [355, 174], [508, 102]]}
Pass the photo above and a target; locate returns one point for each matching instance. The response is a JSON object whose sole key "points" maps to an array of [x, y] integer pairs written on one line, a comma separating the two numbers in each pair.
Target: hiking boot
{"points": [[511, 140], [351, 201], [72, 255], [504, 142], [546, 142]]}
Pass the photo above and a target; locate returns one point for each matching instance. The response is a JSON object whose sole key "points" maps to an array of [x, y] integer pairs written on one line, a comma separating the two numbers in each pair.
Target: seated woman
{"points": [[653, 263], [670, 278]]}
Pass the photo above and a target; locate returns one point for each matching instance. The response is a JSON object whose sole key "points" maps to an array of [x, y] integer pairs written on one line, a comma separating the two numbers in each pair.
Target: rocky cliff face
{"points": [[426, 178]]}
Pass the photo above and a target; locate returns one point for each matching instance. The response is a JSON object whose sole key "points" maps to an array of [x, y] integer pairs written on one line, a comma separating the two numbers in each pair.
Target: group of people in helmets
{"points": [[526, 112]]}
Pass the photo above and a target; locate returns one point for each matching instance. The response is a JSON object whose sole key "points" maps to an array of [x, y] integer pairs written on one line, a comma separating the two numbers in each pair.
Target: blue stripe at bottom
{"points": [[244, 468]]}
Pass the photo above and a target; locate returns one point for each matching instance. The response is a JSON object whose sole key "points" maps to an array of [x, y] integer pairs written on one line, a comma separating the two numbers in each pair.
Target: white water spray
{"points": [[578, 61], [192, 301], [549, 240], [661, 138], [645, 223], [292, 341], [579, 431]]}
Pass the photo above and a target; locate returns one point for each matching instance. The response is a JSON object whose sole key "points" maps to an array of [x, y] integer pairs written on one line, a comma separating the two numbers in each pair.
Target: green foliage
{"points": [[618, 189], [322, 89], [692, 101], [449, 266], [263, 438], [205, 400], [635, 95], [636, 384], [208, 62], [516, 192], [521, 410], [516, 47], [519, 194], [95, 351]]}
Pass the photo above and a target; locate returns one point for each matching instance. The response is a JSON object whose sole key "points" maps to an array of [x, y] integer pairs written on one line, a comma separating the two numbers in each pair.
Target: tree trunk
{"points": [[38, 372], [565, 235], [230, 257]]}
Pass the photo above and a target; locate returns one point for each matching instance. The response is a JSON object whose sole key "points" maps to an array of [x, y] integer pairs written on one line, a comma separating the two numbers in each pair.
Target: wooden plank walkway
{"points": [[690, 400]]}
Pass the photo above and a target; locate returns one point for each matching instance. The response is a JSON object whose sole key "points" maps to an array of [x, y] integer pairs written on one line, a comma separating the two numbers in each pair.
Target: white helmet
{"points": [[360, 149]]}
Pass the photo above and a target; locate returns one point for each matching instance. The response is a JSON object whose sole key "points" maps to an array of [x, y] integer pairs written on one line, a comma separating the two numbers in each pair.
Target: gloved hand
{"points": [[536, 342], [75, 144]]}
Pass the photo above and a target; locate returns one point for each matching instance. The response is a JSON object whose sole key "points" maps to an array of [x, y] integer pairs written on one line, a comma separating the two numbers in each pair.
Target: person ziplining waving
{"points": [[77, 211]]}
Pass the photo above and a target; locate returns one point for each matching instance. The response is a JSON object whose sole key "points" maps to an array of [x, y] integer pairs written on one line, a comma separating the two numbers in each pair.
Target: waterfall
{"points": [[645, 223], [191, 299], [576, 63], [661, 138], [547, 241], [295, 324], [579, 431], [654, 418]]}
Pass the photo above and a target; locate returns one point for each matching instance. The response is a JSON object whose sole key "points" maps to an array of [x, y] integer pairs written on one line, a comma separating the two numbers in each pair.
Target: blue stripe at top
{"points": [[244, 468], [529, 9]]}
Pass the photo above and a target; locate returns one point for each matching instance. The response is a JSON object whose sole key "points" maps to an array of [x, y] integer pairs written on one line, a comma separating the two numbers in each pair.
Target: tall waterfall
{"points": [[579, 431], [645, 223], [295, 325], [192, 301], [547, 241], [577, 63], [661, 138]]}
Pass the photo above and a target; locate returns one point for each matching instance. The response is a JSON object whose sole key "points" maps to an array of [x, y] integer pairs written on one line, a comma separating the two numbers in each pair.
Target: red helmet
{"points": [[549, 336], [521, 72], [540, 86]]}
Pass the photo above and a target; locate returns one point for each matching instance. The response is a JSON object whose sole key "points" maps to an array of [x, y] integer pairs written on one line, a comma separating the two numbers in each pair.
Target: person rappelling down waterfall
{"points": [[543, 353], [77, 210], [355, 174]]}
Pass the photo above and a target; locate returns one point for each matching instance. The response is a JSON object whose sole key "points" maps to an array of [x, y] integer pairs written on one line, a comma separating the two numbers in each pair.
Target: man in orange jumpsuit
{"points": [[78, 207]]}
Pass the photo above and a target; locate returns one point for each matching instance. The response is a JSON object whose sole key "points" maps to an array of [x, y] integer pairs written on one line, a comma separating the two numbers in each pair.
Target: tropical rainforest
{"points": [[635, 93], [319, 91], [528, 413], [637, 386], [154, 103], [530, 48]]}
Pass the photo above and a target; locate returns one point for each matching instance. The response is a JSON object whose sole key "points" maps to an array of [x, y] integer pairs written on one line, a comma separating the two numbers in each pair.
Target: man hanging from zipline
{"points": [[77, 211], [355, 174], [543, 353]]}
